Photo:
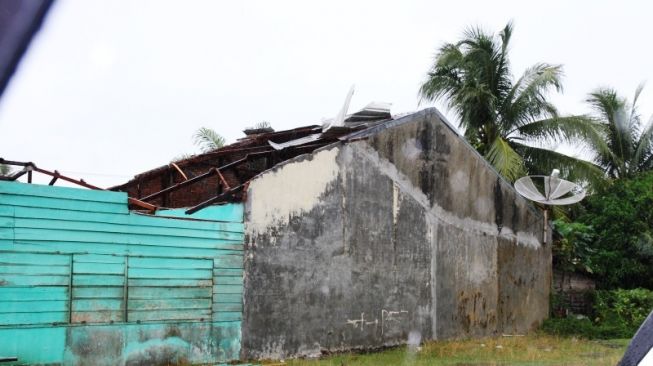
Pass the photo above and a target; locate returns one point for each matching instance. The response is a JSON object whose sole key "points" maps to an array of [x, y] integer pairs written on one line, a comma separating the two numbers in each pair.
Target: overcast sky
{"points": [[109, 89]]}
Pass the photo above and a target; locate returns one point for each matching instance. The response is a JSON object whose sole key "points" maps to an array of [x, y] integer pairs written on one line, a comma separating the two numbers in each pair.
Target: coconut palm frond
{"points": [[606, 103], [505, 35], [543, 161], [444, 79], [538, 80], [527, 99], [208, 139], [633, 108], [644, 149], [498, 113], [571, 129], [505, 160], [629, 148]]}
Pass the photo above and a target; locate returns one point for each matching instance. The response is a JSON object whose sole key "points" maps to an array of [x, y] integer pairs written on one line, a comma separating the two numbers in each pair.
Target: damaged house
{"points": [[283, 244]]}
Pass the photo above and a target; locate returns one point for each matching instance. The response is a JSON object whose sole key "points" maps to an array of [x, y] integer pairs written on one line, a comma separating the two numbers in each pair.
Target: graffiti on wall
{"points": [[388, 319]]}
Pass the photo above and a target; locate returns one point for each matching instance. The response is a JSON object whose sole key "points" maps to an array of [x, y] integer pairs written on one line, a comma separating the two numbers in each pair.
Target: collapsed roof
{"points": [[222, 175]]}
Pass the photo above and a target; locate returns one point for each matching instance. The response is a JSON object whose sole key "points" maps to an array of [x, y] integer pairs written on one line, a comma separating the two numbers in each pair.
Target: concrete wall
{"points": [[406, 235], [83, 281]]}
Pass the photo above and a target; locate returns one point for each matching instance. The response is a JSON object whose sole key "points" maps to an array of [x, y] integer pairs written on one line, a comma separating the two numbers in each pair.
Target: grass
{"points": [[528, 350]]}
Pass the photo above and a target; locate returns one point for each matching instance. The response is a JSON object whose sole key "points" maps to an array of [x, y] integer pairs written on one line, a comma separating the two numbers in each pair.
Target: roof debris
{"points": [[372, 112], [296, 142], [222, 175], [29, 168]]}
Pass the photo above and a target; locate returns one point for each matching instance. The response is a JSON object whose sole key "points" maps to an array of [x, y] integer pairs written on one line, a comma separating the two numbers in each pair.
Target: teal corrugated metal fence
{"points": [[85, 281]]}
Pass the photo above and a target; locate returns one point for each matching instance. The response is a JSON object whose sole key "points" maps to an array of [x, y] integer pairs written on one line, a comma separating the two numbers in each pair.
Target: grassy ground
{"points": [[529, 350]]}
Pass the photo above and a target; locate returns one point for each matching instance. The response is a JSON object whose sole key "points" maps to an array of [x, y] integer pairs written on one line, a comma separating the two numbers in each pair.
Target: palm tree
{"points": [[208, 139], [502, 118], [629, 145]]}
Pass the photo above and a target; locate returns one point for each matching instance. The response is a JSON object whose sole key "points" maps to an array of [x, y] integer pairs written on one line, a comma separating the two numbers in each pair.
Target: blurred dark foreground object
{"points": [[640, 345], [19, 21]]}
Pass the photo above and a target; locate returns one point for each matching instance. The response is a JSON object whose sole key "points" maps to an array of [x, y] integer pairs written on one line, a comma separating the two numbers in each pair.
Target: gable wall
{"points": [[408, 235]]}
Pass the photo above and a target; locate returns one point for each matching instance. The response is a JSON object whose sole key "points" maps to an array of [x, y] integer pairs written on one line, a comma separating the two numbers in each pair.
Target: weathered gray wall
{"points": [[408, 233]]}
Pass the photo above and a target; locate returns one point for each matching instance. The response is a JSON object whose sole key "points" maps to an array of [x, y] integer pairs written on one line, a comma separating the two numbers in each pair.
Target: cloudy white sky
{"points": [[112, 88]]}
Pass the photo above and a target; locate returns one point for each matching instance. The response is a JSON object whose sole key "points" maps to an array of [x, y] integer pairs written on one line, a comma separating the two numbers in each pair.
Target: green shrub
{"points": [[616, 314], [584, 327], [621, 223], [627, 308], [570, 325], [572, 251]]}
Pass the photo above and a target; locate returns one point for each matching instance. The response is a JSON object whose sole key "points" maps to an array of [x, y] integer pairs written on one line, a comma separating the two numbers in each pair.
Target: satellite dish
{"points": [[555, 191], [549, 190]]}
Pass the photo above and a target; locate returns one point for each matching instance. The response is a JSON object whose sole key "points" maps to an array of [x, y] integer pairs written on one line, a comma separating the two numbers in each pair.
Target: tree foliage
{"points": [[208, 139], [621, 218], [628, 147], [5, 170], [615, 314], [504, 118], [572, 250]]}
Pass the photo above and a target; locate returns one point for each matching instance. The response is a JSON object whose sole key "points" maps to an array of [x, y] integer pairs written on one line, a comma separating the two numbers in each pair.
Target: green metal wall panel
{"points": [[232, 213], [77, 269], [35, 346]]}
